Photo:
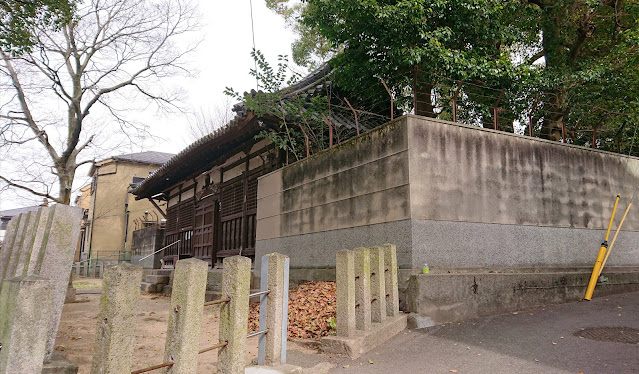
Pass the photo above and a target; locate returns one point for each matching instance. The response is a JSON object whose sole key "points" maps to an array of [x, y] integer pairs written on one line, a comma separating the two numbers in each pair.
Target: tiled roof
{"points": [[14, 212], [209, 147], [148, 157]]}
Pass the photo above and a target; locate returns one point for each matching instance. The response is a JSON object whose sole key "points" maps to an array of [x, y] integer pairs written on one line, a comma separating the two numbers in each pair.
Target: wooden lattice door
{"points": [[204, 230]]}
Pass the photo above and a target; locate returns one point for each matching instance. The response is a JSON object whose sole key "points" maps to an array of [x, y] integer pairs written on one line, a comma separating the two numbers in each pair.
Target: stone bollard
{"points": [[392, 293], [115, 333], [345, 284], [85, 269], [362, 289], [25, 303], [7, 245], [236, 280], [14, 250], [378, 289], [94, 266], [24, 251], [277, 333], [185, 318], [69, 297]]}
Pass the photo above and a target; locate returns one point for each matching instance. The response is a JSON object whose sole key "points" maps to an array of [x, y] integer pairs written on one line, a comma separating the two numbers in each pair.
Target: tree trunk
{"points": [[423, 99], [553, 123], [66, 174]]}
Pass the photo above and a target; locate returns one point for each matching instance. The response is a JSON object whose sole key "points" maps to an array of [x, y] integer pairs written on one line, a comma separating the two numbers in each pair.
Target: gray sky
{"points": [[223, 59]]}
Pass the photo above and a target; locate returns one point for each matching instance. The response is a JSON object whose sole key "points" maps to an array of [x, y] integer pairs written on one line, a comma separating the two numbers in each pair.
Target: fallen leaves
{"points": [[310, 307]]}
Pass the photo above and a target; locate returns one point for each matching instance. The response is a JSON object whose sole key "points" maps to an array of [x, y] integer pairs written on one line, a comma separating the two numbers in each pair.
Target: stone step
{"points": [[166, 272], [167, 289], [157, 279], [149, 287]]}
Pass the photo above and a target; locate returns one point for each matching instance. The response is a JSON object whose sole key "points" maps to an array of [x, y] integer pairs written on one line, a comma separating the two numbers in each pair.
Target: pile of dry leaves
{"points": [[311, 311]]}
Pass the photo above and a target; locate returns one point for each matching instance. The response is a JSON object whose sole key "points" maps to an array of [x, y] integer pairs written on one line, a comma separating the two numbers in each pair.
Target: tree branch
{"points": [[30, 190]]}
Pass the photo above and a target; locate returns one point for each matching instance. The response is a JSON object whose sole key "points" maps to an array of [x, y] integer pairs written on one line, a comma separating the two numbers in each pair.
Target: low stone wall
{"points": [[456, 297], [146, 241]]}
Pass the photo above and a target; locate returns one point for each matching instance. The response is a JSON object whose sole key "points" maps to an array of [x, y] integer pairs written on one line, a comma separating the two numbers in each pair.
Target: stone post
{"points": [[94, 266], [24, 251], [7, 245], [40, 240], [378, 290], [70, 295], [55, 258], [345, 284], [236, 279], [185, 317], [274, 308], [115, 333], [14, 250], [25, 306], [362, 289], [392, 292], [85, 268]]}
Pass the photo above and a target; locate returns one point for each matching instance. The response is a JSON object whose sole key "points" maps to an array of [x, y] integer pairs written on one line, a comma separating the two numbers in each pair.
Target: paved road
{"points": [[533, 341]]}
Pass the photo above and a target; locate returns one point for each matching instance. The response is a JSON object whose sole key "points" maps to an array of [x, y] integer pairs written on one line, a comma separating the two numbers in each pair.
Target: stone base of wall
{"points": [[455, 297], [363, 342], [471, 244], [318, 250]]}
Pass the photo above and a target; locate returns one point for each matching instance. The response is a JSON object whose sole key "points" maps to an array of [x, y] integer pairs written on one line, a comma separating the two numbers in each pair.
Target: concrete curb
{"points": [[363, 342]]}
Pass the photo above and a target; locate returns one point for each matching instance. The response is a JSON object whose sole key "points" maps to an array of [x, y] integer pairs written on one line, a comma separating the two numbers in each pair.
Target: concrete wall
{"points": [[354, 194], [451, 196], [144, 242], [483, 197]]}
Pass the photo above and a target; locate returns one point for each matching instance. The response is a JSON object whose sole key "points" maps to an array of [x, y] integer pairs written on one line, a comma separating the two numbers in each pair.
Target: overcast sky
{"points": [[222, 60]]}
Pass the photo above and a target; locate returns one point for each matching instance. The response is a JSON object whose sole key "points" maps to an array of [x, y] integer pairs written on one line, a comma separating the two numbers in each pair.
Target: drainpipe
{"points": [[126, 221], [94, 192]]}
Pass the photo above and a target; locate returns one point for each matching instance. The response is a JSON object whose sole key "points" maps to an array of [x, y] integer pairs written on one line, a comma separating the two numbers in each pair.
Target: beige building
{"points": [[112, 212]]}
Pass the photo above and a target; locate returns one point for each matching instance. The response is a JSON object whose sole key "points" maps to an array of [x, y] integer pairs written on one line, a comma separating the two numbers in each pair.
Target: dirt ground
{"points": [[76, 334]]}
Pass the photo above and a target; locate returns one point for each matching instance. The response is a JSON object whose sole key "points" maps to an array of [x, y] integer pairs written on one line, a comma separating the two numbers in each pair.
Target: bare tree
{"points": [[205, 121], [83, 86]]}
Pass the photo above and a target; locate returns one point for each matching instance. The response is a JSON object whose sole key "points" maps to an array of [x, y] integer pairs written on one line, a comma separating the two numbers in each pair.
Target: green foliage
{"points": [[332, 324], [297, 115], [577, 58], [22, 19], [310, 49]]}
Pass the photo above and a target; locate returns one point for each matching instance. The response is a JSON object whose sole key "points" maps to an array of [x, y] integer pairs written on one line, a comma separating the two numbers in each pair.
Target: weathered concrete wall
{"points": [[451, 196], [146, 241], [483, 197], [338, 196]]}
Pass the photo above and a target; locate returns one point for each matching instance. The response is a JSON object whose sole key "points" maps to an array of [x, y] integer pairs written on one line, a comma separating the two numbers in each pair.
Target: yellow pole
{"points": [[596, 270], [614, 238]]}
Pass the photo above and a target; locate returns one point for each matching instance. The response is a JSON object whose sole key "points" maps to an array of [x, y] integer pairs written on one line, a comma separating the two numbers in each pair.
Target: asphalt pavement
{"points": [[566, 338]]}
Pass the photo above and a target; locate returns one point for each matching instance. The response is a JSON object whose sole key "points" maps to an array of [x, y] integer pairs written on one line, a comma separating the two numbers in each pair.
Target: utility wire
{"points": [[257, 83]]}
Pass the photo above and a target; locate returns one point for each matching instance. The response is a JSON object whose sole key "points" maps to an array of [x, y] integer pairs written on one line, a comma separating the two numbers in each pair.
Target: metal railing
{"points": [[159, 250]]}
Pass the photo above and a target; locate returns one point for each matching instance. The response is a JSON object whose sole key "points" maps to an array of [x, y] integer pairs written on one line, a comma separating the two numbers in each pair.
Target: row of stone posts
{"points": [[118, 305], [367, 290]]}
